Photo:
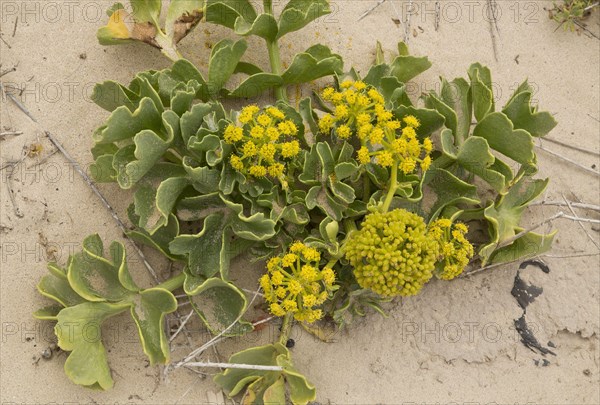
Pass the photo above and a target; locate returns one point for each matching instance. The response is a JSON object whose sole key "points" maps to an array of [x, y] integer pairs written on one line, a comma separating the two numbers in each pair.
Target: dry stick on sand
{"points": [[580, 224], [526, 231], [181, 326], [567, 203], [235, 365], [577, 148], [10, 133], [215, 339], [370, 10], [18, 103], [4, 72], [110, 209], [566, 159], [492, 6], [409, 12], [470, 273], [11, 192]]}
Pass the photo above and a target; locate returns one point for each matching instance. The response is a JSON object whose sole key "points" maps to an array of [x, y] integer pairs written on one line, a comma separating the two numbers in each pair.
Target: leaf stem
{"points": [[173, 283], [166, 46], [393, 186], [286, 327], [274, 56]]}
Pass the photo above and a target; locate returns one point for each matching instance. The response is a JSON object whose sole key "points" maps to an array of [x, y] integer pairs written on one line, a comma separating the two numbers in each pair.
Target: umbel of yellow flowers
{"points": [[359, 110], [263, 143], [392, 253], [295, 284], [454, 250], [395, 253]]}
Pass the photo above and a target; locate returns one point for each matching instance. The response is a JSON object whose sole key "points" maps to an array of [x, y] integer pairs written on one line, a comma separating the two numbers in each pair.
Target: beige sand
{"points": [[455, 343]]}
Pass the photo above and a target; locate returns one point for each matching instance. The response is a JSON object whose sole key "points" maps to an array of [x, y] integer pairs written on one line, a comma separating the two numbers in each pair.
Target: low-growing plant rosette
{"points": [[348, 198]]}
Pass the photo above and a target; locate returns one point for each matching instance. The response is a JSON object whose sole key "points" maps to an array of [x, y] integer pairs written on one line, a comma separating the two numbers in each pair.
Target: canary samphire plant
{"points": [[327, 191]]}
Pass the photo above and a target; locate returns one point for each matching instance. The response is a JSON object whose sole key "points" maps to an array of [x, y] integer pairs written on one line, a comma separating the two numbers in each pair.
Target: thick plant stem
{"points": [[173, 283], [393, 187], [286, 327], [275, 60], [274, 56]]}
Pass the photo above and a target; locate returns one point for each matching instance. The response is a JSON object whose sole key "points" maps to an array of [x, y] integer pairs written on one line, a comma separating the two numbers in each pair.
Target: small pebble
{"points": [[83, 56], [587, 372], [290, 343], [551, 344], [545, 363], [47, 353]]}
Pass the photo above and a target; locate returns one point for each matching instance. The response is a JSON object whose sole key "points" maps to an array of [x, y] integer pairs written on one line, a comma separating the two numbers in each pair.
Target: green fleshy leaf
{"points": [[146, 10], [148, 312], [376, 73], [524, 116], [102, 171], [110, 95], [310, 117], [431, 120], [450, 191], [498, 130], [157, 194], [476, 157], [275, 393], [318, 61], [263, 384], [59, 290], [318, 196], [406, 67], [92, 276], [255, 227], [132, 164], [160, 239], [119, 260], [226, 12], [301, 391], [394, 92], [481, 90], [451, 120], [79, 331], [255, 85], [224, 58], [456, 95], [247, 68], [203, 249], [124, 124], [233, 380], [219, 304], [298, 13], [199, 207], [527, 246], [504, 218], [181, 73], [263, 25], [49, 313], [192, 120]]}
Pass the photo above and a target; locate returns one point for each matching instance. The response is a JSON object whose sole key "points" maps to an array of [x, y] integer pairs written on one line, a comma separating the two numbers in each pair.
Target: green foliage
{"points": [[142, 24], [210, 184], [266, 387], [570, 13], [92, 289]]}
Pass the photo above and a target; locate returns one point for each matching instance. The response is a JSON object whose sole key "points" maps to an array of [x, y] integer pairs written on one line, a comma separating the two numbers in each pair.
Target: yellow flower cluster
{"points": [[264, 139], [295, 284], [454, 250], [392, 253], [360, 110]]}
